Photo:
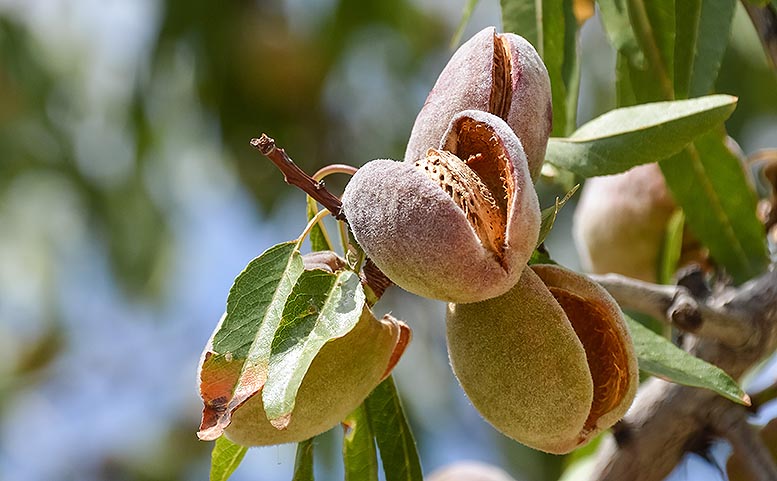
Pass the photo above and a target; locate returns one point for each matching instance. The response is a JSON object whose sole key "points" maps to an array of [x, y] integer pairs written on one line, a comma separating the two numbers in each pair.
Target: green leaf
{"points": [[709, 183], [225, 458], [570, 70], [672, 247], [392, 433], [319, 238], [236, 366], [359, 453], [661, 358], [322, 306], [702, 37], [303, 461], [539, 22], [540, 257], [549, 214], [630, 136], [617, 24], [654, 25], [469, 7]]}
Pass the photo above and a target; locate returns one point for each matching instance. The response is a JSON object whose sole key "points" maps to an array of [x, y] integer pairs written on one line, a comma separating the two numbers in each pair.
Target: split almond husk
{"points": [[501, 74], [550, 363], [457, 225]]}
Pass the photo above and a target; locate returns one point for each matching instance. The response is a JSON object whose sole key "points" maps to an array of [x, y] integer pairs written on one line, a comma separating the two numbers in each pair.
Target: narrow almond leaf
{"points": [[539, 22], [630, 136], [672, 247], [549, 214], [661, 358], [617, 24], [706, 179], [392, 433], [236, 366], [570, 68], [359, 453], [700, 44], [319, 237], [469, 7], [225, 458], [322, 306], [303, 461], [709, 183]]}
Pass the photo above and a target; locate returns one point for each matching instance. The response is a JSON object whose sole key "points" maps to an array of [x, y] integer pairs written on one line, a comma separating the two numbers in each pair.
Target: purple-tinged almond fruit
{"points": [[458, 224], [550, 363], [497, 73]]}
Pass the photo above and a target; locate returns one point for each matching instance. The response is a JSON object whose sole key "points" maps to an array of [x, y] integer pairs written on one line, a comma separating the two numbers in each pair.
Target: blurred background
{"points": [[130, 199]]}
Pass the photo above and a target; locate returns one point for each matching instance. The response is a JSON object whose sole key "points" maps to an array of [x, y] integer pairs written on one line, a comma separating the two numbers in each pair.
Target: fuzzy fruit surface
{"points": [[501, 74], [537, 376], [340, 377], [458, 225], [620, 222]]}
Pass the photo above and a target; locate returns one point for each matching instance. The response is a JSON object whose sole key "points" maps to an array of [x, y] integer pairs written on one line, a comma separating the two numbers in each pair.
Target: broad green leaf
{"points": [[549, 214], [225, 458], [541, 23], [303, 461], [236, 366], [672, 247], [319, 238], [392, 433], [469, 7], [709, 183], [322, 306], [703, 28], [617, 24], [630, 136], [661, 358], [359, 453]]}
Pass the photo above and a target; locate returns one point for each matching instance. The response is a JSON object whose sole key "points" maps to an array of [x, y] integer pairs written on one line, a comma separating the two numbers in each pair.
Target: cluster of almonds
{"points": [[542, 352]]}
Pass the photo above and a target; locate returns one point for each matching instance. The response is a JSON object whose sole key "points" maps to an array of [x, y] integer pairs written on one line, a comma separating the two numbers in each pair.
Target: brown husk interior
{"points": [[502, 85], [606, 352]]}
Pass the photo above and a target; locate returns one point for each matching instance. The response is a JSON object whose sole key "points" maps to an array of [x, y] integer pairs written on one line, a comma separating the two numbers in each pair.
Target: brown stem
{"points": [[295, 176]]}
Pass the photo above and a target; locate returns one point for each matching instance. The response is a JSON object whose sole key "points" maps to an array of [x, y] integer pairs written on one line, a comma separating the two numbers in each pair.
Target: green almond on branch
{"points": [[339, 378], [550, 363]]}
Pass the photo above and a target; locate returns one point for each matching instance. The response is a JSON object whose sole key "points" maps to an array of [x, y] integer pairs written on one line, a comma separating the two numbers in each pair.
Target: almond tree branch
{"points": [[746, 442], [763, 396], [677, 306], [667, 420], [295, 176]]}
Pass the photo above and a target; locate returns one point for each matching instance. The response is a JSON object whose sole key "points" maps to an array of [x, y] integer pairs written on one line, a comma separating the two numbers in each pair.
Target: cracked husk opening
{"points": [[502, 86], [470, 194], [608, 359]]}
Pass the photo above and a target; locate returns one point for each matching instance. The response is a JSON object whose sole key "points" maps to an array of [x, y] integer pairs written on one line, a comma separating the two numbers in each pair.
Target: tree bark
{"points": [[668, 420]]}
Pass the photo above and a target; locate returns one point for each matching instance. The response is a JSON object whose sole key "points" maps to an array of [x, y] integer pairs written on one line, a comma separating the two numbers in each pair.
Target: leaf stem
{"points": [[334, 169], [315, 220]]}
